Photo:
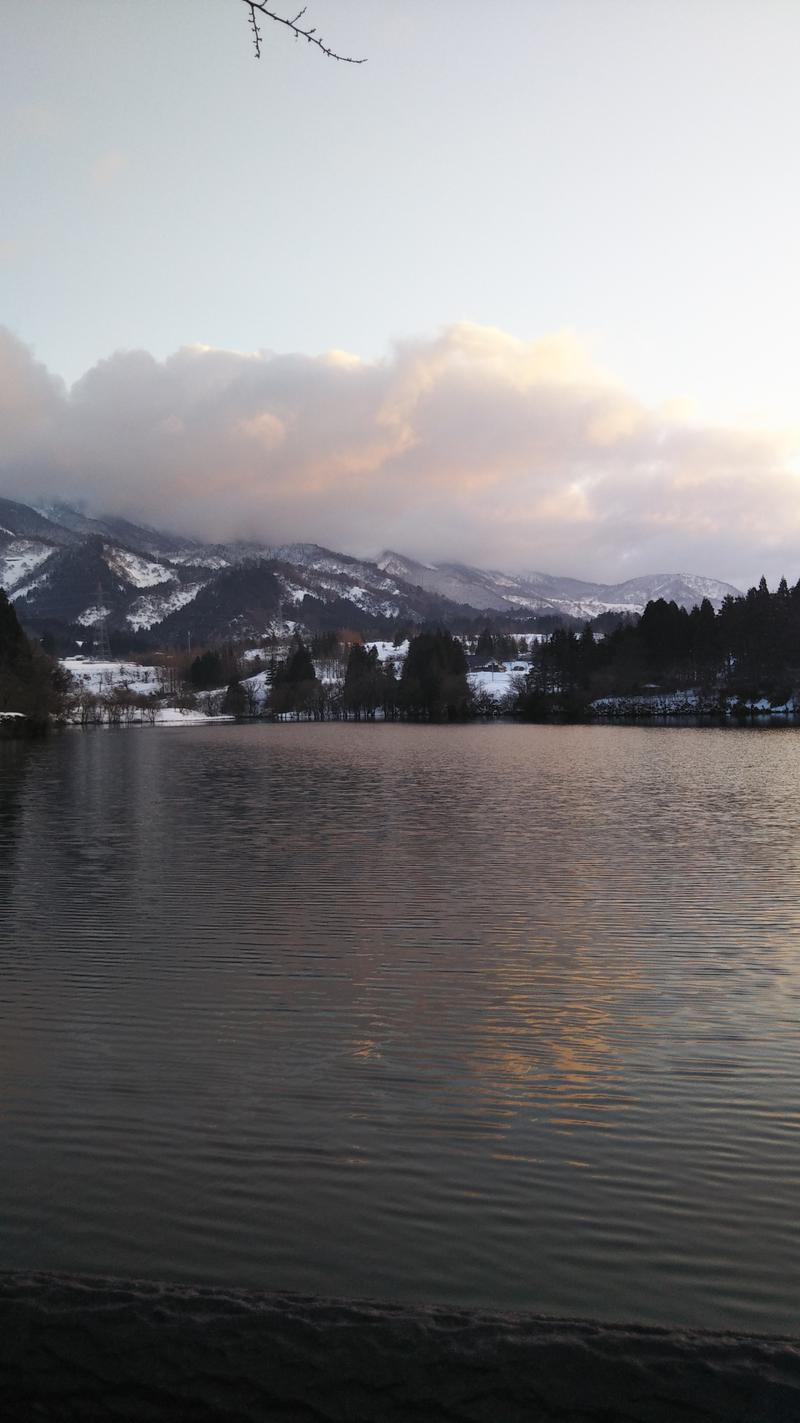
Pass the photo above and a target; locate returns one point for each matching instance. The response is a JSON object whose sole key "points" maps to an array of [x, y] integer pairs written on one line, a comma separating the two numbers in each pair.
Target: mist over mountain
{"points": [[468, 446], [58, 564]]}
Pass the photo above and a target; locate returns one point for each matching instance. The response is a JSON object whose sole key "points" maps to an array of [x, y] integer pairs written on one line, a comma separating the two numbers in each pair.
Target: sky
{"points": [[521, 290]]}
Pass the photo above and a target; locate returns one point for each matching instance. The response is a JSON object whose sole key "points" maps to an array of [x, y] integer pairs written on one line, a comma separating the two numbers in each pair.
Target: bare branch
{"points": [[310, 34], [256, 32]]}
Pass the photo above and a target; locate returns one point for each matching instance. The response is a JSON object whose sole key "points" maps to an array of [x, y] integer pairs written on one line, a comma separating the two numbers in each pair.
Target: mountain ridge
{"points": [[59, 564]]}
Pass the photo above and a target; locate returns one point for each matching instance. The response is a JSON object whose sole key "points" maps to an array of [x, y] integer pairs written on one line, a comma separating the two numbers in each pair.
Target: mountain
{"points": [[507, 592], [18, 521], [138, 536], [59, 565], [28, 539]]}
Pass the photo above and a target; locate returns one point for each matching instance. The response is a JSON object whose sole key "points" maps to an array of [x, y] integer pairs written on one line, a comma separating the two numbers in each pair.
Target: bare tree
{"points": [[259, 8]]}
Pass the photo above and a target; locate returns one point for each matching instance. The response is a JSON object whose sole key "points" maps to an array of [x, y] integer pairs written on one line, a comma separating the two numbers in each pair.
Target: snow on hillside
{"points": [[400, 566], [92, 614], [152, 608], [23, 589], [258, 688], [366, 600], [18, 561], [200, 558], [102, 676], [329, 576], [141, 572], [54, 560], [543, 592], [292, 592]]}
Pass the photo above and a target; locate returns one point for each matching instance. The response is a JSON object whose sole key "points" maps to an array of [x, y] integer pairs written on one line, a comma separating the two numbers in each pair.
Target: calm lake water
{"points": [[492, 1015]]}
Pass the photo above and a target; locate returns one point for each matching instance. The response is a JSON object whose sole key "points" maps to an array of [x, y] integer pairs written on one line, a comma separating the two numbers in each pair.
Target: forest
{"points": [[32, 685], [745, 654], [432, 685]]}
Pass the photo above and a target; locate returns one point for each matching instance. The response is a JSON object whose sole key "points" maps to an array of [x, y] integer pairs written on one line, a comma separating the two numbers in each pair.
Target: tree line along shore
{"points": [[739, 660]]}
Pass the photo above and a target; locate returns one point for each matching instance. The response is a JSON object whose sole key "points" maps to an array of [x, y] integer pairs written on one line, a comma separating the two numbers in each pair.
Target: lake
{"points": [[502, 1016]]}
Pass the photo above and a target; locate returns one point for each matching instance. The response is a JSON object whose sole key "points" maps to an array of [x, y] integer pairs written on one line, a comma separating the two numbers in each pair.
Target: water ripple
{"points": [[492, 1015]]}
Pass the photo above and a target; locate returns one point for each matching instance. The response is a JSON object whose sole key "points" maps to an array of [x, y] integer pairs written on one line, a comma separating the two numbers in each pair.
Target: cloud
{"points": [[470, 445], [32, 407]]}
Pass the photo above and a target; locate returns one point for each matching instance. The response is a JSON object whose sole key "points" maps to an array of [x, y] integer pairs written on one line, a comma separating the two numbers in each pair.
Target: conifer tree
{"points": [[30, 683], [434, 680]]}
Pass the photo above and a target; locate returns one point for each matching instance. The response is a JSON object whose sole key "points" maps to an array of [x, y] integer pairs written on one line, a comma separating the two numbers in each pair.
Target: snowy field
{"points": [[100, 677], [501, 684], [387, 652], [103, 678]]}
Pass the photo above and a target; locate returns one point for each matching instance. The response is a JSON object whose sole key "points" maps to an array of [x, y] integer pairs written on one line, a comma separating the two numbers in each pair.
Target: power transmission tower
{"points": [[101, 642]]}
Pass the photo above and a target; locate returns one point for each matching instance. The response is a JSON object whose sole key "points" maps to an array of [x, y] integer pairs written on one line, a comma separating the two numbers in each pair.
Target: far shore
{"points": [[172, 719]]}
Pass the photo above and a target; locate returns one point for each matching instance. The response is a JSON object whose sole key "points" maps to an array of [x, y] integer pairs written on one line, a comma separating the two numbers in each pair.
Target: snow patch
{"points": [[497, 685], [92, 614], [387, 652], [174, 716], [18, 561], [141, 572], [258, 686], [198, 558], [103, 676], [151, 609], [293, 593]]}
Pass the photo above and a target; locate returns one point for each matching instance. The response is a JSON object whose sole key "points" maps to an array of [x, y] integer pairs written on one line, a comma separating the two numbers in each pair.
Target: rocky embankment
{"points": [[99, 1349]]}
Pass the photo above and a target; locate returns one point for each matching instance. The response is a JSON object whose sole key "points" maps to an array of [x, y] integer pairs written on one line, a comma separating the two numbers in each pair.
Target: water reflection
{"points": [[15, 758], [493, 1015]]}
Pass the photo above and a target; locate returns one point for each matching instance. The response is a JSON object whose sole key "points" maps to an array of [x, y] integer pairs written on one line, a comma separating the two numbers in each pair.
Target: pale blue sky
{"points": [[626, 168], [623, 169]]}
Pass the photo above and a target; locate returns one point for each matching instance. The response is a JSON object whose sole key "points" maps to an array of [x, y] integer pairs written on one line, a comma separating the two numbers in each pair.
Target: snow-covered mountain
{"points": [[488, 588], [61, 566]]}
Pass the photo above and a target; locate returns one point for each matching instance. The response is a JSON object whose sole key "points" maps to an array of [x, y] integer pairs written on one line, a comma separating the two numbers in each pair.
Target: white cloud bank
{"points": [[470, 445]]}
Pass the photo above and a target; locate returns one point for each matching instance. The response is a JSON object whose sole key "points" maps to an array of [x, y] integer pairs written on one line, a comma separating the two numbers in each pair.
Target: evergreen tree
{"points": [[363, 681], [485, 643], [390, 691], [13, 642], [301, 664], [295, 686], [234, 702], [207, 670], [434, 680], [30, 683]]}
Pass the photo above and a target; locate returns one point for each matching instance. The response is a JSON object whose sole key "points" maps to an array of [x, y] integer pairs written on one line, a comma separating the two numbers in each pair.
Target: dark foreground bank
{"points": [[92, 1349]]}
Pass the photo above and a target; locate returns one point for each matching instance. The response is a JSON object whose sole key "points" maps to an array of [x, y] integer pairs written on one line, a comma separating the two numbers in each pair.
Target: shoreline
{"points": [[86, 1347]]}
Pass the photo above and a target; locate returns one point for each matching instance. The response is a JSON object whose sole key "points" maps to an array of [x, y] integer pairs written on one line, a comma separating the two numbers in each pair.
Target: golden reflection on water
{"points": [[471, 1014], [559, 1051], [365, 1049]]}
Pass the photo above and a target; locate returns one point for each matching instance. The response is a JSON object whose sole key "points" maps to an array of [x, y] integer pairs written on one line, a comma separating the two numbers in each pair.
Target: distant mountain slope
{"points": [[20, 521], [59, 564], [136, 536], [235, 602], [19, 559], [543, 592]]}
